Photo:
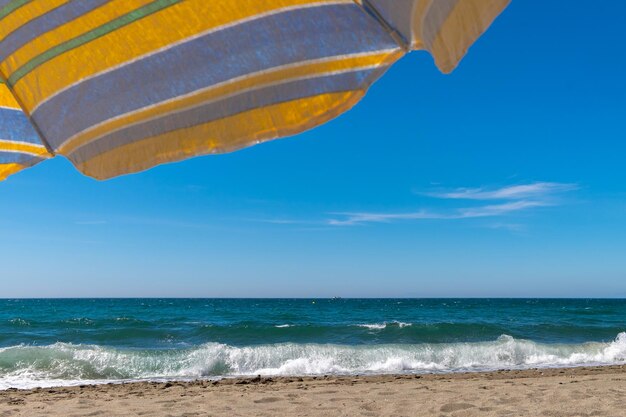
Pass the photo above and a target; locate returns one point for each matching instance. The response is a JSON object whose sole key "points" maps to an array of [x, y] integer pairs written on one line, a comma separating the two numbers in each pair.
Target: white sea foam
{"points": [[66, 364], [376, 326], [282, 326], [380, 326], [20, 322]]}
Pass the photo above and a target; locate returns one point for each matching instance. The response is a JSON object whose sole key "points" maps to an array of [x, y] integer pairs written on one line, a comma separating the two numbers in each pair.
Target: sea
{"points": [[62, 342]]}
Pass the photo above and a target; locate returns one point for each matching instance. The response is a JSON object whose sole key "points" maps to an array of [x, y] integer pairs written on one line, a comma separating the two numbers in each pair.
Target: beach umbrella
{"points": [[119, 86]]}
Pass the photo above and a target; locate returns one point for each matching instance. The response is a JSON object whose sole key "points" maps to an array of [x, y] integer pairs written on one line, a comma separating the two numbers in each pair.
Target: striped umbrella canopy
{"points": [[119, 86]]}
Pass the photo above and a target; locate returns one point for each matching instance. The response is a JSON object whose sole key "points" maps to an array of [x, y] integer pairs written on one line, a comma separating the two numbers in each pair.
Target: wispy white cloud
{"points": [[350, 219], [494, 210], [514, 198], [513, 192]]}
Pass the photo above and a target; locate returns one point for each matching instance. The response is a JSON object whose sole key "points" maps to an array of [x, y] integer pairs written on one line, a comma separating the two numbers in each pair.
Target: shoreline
{"points": [[548, 391], [286, 379]]}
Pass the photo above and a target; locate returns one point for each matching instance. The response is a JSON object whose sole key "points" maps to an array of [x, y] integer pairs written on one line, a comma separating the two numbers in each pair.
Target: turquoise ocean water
{"points": [[66, 342]]}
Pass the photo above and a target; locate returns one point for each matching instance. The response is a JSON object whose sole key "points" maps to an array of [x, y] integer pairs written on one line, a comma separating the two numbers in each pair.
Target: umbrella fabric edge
{"points": [[113, 120]]}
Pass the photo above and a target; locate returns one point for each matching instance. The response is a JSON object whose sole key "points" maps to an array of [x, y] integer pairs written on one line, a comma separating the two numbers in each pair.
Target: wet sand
{"points": [[589, 391]]}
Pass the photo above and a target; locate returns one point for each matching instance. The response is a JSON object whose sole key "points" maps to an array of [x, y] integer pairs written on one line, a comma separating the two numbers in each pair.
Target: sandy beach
{"points": [[588, 391]]}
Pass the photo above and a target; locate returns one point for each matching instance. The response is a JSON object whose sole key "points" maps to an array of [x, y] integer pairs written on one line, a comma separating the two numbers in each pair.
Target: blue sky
{"points": [[506, 178]]}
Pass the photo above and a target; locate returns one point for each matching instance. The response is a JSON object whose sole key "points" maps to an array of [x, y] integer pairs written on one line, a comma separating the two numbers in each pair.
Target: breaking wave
{"points": [[71, 364]]}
